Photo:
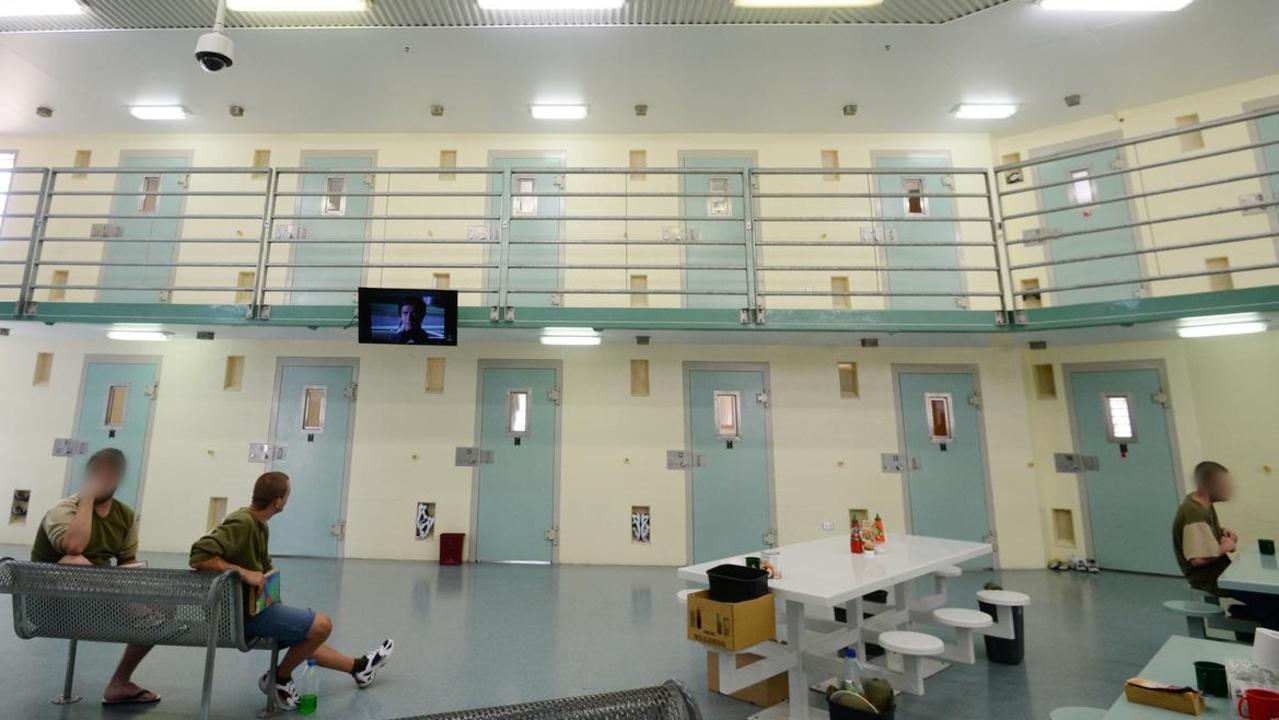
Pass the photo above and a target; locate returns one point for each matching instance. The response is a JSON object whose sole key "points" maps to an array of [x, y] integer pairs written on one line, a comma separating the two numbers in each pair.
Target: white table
{"points": [[1252, 572], [1175, 664], [823, 574]]}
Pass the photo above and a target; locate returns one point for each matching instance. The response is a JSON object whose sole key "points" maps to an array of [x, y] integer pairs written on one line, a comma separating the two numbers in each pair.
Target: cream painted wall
{"points": [[826, 448]]}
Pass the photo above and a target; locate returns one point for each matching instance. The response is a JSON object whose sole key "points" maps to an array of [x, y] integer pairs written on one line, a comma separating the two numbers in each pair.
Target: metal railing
{"points": [[1181, 211]]}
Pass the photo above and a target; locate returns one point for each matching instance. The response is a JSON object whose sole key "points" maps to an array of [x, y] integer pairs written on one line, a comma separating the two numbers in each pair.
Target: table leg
{"points": [[797, 676]]}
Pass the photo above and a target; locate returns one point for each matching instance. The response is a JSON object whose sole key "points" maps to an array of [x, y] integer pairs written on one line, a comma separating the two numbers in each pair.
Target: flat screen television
{"points": [[391, 316]]}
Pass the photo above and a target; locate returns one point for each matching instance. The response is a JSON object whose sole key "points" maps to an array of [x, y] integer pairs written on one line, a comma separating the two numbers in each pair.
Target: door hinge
{"points": [[338, 530], [762, 399], [153, 390], [1161, 398], [770, 537], [351, 391], [974, 399], [553, 395], [553, 535]]}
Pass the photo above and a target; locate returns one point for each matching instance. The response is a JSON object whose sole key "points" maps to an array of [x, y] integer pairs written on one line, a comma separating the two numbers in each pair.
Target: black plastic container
{"points": [[839, 712], [737, 583], [1007, 652]]}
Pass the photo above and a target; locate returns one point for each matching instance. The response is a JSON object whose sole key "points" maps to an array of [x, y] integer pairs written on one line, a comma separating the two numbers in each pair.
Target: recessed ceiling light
{"points": [[140, 335], [19, 8], [558, 112], [1222, 325], [159, 112], [551, 4], [805, 3], [997, 111], [298, 5], [1116, 5]]}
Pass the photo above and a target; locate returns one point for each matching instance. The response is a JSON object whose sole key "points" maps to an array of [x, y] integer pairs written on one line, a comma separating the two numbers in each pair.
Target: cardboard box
{"points": [[1161, 695], [763, 694], [731, 626]]}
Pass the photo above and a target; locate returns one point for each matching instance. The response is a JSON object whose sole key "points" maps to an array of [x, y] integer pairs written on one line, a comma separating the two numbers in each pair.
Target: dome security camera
{"points": [[215, 52]]}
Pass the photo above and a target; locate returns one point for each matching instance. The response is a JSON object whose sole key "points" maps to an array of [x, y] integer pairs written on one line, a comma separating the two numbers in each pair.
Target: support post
{"points": [[504, 246], [272, 698], [264, 247], [797, 677], [210, 653], [26, 293], [748, 237], [68, 696]]}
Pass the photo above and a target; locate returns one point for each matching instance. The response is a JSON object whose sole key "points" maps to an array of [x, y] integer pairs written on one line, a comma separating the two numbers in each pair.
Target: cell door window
{"points": [[940, 412], [149, 202], [315, 400], [524, 202], [1119, 420], [117, 406], [915, 202], [728, 415], [1082, 191], [334, 196], [517, 413], [718, 204]]}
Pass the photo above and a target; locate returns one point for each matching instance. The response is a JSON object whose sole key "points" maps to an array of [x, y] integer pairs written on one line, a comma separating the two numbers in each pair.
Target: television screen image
{"points": [[408, 317]]}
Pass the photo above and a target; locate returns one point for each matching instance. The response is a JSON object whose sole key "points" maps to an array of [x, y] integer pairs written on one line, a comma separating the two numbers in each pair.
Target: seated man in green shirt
{"points": [[240, 543], [93, 528], [1203, 546]]}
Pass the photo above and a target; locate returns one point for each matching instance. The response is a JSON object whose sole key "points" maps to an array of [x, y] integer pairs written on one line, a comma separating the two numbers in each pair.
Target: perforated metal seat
{"points": [[670, 701]]}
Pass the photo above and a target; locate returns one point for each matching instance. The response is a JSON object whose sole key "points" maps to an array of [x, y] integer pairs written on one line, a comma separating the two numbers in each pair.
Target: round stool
{"points": [[963, 618], [911, 643]]}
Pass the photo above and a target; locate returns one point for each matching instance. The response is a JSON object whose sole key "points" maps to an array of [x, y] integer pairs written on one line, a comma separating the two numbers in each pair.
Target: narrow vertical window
{"points": [[915, 202], [117, 406], [1193, 140], [830, 161], [639, 290], [1031, 299], [1221, 277], [638, 161], [1119, 420], [442, 281], [314, 402], [448, 159], [728, 415], [1081, 188], [334, 196], [524, 203], [718, 204], [839, 293], [941, 417], [60, 279], [150, 200], [517, 413], [244, 281], [848, 383]]}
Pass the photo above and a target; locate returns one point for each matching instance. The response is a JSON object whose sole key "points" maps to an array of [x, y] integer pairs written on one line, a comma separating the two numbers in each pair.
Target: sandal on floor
{"points": [[138, 698]]}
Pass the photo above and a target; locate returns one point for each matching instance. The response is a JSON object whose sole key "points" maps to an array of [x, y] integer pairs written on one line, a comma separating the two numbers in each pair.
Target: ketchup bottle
{"points": [[855, 538]]}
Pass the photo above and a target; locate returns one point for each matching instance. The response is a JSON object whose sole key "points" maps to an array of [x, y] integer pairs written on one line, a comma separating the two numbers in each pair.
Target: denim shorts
{"points": [[285, 624]]}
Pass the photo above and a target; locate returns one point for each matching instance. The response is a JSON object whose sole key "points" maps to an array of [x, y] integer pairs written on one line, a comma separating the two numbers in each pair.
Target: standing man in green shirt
{"points": [[93, 528], [1203, 546], [241, 543]]}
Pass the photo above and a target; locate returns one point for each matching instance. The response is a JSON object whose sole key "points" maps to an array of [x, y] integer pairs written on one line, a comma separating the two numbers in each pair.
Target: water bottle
{"points": [[852, 671], [309, 698]]}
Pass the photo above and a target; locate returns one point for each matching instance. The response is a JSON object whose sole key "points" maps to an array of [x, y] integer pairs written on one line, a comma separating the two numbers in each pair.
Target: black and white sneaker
{"points": [[286, 695], [373, 660]]}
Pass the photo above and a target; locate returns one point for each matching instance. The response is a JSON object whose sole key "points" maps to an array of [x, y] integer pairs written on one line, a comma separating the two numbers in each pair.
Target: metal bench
{"points": [[131, 605], [669, 701]]}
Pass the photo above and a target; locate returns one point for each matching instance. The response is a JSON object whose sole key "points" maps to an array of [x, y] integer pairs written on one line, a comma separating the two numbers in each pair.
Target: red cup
{"points": [[1257, 704]]}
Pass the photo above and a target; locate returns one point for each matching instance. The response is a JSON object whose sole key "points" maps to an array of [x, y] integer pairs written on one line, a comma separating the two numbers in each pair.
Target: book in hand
{"points": [[264, 597]]}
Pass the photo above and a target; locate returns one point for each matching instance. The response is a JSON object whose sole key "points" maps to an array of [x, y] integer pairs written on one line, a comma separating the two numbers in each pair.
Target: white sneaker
{"points": [[286, 695], [375, 660]]}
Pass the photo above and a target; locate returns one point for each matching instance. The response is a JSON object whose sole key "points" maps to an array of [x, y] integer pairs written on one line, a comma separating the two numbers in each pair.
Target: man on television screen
{"points": [[410, 332]]}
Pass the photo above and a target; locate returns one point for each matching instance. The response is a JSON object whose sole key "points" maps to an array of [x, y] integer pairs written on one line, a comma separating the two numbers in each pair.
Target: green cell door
{"points": [[905, 222], [335, 206], [311, 434], [534, 234], [1268, 132], [519, 424], [945, 465], [116, 404], [1132, 494], [146, 210], [728, 432], [715, 231], [1082, 191]]}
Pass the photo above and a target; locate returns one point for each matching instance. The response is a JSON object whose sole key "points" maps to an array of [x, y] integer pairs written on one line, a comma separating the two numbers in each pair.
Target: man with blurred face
{"points": [[1203, 546], [93, 528]]}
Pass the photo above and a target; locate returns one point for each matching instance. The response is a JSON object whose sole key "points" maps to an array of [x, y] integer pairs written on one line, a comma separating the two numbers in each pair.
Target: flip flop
{"points": [[138, 698]]}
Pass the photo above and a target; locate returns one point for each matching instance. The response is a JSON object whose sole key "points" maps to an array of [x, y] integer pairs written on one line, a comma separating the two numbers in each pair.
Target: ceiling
{"points": [[174, 14], [695, 78]]}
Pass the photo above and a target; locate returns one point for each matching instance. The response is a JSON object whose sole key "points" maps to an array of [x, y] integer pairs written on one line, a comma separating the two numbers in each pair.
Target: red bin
{"points": [[451, 545]]}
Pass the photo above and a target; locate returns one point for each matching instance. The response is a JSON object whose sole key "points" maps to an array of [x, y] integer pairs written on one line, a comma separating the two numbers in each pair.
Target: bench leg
{"points": [[67, 697], [272, 700], [1196, 627]]}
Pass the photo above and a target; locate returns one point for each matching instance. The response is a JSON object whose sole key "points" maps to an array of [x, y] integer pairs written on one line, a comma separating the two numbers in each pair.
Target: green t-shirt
{"points": [[111, 537], [1196, 533], [240, 540]]}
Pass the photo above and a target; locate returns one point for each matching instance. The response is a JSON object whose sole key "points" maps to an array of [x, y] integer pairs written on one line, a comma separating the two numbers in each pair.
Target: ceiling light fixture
{"points": [[1222, 326], [298, 5], [558, 112], [159, 112], [140, 335], [21, 8], [551, 4], [805, 3], [994, 111], [571, 336], [1116, 5]]}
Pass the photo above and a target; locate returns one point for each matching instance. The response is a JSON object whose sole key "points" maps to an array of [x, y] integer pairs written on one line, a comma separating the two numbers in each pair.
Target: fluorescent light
{"points": [[1116, 5], [18, 8], [140, 335], [298, 5], [995, 111], [551, 4], [571, 336], [159, 112], [805, 3], [558, 112], [1221, 326]]}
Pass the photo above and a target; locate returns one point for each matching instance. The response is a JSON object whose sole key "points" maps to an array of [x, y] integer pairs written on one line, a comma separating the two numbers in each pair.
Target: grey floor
{"points": [[482, 635]]}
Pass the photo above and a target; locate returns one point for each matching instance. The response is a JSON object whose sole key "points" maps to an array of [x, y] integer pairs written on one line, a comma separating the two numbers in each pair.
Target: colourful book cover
{"points": [[269, 595]]}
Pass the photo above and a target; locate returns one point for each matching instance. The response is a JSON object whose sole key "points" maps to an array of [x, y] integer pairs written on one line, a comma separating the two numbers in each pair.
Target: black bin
{"points": [[737, 583], [840, 712], [1007, 652]]}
